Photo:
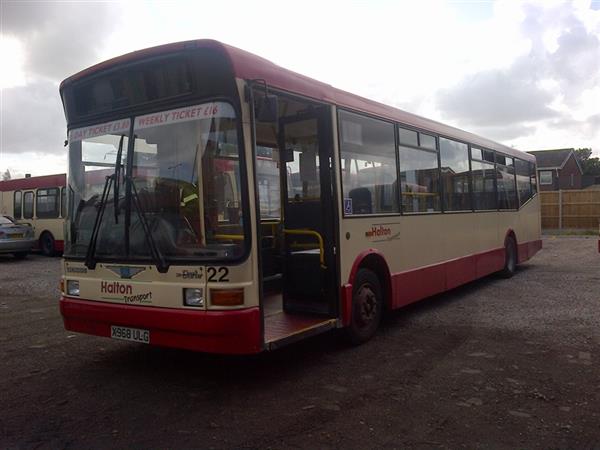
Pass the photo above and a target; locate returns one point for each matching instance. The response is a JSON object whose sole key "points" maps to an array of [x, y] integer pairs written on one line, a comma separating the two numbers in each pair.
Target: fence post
{"points": [[560, 214]]}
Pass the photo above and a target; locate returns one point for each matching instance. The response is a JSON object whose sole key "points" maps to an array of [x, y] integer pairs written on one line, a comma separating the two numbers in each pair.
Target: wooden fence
{"points": [[578, 209]]}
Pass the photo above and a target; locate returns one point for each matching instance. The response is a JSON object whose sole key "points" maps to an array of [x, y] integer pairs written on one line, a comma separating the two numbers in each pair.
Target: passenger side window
{"points": [[47, 203], [18, 201], [28, 205], [454, 158], [533, 173], [419, 174], [63, 202], [484, 179], [523, 181], [507, 191], [368, 161]]}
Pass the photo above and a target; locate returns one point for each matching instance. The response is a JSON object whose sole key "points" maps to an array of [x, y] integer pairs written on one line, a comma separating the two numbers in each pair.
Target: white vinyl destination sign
{"points": [[189, 113]]}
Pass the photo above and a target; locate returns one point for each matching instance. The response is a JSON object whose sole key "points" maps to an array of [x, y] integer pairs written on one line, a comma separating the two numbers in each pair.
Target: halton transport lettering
{"points": [[115, 288]]}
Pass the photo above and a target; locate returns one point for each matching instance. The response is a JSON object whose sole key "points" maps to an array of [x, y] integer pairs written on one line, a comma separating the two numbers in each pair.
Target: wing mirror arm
{"points": [[268, 108]]}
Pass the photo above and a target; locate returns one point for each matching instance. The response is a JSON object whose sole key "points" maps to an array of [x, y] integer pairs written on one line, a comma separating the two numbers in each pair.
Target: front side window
{"points": [[454, 160], [28, 205], [369, 177], [17, 205], [47, 203]]}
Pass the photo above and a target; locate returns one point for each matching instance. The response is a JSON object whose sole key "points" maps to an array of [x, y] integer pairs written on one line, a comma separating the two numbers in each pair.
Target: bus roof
{"points": [[44, 181], [249, 66]]}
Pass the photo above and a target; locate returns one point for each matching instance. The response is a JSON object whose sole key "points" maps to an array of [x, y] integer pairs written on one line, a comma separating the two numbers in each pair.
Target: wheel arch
{"points": [[374, 260]]}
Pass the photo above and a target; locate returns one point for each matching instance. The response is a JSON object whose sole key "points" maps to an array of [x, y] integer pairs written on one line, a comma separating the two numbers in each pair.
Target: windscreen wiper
{"points": [[157, 256], [90, 262], [118, 167]]}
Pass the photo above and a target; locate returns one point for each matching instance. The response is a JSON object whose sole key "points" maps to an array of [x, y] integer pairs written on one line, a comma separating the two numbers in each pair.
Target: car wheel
{"points": [[47, 244], [367, 307]]}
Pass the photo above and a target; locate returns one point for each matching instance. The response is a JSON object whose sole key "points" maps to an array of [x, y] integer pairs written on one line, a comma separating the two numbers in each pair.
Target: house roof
{"points": [[247, 66], [554, 159]]}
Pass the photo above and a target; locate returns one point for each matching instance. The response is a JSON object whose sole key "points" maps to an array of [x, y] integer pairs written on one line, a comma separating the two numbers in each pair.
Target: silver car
{"points": [[15, 238]]}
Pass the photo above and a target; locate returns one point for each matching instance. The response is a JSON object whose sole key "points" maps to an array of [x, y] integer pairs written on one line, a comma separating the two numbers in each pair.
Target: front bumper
{"points": [[16, 245], [233, 332]]}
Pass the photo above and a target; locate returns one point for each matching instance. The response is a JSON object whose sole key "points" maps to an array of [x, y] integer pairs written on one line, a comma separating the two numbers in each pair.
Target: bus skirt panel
{"points": [[233, 332]]}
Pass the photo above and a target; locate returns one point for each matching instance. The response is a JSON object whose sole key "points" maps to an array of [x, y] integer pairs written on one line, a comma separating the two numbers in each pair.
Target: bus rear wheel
{"points": [[510, 258], [367, 307], [47, 244]]}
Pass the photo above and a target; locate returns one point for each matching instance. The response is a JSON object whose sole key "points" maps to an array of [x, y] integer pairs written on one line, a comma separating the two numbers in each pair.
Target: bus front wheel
{"points": [[510, 258], [47, 244], [367, 307]]}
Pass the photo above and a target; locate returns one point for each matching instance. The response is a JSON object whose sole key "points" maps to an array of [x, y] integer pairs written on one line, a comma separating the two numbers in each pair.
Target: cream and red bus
{"points": [[40, 202], [220, 203]]}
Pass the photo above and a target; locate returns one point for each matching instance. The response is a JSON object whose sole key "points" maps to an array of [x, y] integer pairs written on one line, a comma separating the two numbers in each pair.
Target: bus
{"points": [[40, 202], [220, 203]]}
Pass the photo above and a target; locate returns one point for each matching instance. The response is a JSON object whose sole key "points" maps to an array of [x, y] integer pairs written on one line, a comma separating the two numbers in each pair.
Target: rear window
{"points": [[5, 220]]}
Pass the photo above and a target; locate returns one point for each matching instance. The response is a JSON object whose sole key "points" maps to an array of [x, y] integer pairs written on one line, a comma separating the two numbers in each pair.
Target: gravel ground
{"points": [[495, 364]]}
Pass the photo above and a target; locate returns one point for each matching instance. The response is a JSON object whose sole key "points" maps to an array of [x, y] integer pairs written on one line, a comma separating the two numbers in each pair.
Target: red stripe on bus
{"points": [[59, 246], [416, 284], [233, 332], [46, 181]]}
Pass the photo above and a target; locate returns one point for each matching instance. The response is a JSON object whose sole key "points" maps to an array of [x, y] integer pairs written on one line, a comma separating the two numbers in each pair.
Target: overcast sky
{"points": [[526, 74]]}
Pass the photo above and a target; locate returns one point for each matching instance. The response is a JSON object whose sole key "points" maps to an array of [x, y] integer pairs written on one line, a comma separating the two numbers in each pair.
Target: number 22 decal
{"points": [[218, 275]]}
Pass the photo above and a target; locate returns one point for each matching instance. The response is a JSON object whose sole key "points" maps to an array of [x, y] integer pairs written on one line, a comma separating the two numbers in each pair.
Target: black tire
{"points": [[47, 244], [20, 255], [367, 307], [510, 258]]}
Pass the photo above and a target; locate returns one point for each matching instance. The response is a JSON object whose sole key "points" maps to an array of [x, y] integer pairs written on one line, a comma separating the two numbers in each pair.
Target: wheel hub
{"points": [[366, 304]]}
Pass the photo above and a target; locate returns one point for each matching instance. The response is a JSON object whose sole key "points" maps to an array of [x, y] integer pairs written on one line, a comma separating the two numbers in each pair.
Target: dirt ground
{"points": [[495, 364]]}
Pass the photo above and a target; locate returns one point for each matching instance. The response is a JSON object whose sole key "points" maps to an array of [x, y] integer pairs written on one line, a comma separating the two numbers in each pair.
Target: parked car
{"points": [[15, 238]]}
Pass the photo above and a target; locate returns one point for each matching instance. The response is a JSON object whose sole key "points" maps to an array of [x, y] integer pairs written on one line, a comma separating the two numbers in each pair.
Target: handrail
{"points": [[231, 237], [299, 232]]}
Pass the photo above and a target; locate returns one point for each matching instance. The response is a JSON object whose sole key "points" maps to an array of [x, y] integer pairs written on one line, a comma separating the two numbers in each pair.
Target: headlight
{"points": [[193, 297], [73, 288]]}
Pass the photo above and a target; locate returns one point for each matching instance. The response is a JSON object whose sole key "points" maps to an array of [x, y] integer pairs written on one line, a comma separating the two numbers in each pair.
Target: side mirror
{"points": [[268, 110]]}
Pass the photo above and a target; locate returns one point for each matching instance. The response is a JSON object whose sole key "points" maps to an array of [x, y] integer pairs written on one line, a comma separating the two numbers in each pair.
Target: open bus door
{"points": [[309, 272]]}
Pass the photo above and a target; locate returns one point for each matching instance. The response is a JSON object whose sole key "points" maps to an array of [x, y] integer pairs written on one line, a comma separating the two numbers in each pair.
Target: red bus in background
{"points": [[41, 202]]}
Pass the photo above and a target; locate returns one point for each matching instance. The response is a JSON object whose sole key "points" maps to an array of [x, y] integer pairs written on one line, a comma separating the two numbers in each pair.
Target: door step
{"points": [[282, 328]]}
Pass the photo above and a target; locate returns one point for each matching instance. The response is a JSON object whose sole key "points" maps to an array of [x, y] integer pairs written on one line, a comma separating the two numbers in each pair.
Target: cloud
{"points": [[544, 86], [59, 38], [32, 119], [496, 97]]}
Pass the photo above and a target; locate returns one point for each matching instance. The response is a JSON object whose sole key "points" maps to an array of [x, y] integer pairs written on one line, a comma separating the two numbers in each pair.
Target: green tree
{"points": [[589, 165]]}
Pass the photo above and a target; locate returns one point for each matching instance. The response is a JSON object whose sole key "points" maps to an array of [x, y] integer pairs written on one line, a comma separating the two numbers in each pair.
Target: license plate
{"points": [[130, 334], [16, 236]]}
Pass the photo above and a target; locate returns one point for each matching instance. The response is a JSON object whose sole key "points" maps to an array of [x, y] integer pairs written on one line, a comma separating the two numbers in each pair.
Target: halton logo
{"points": [[115, 288], [377, 231]]}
